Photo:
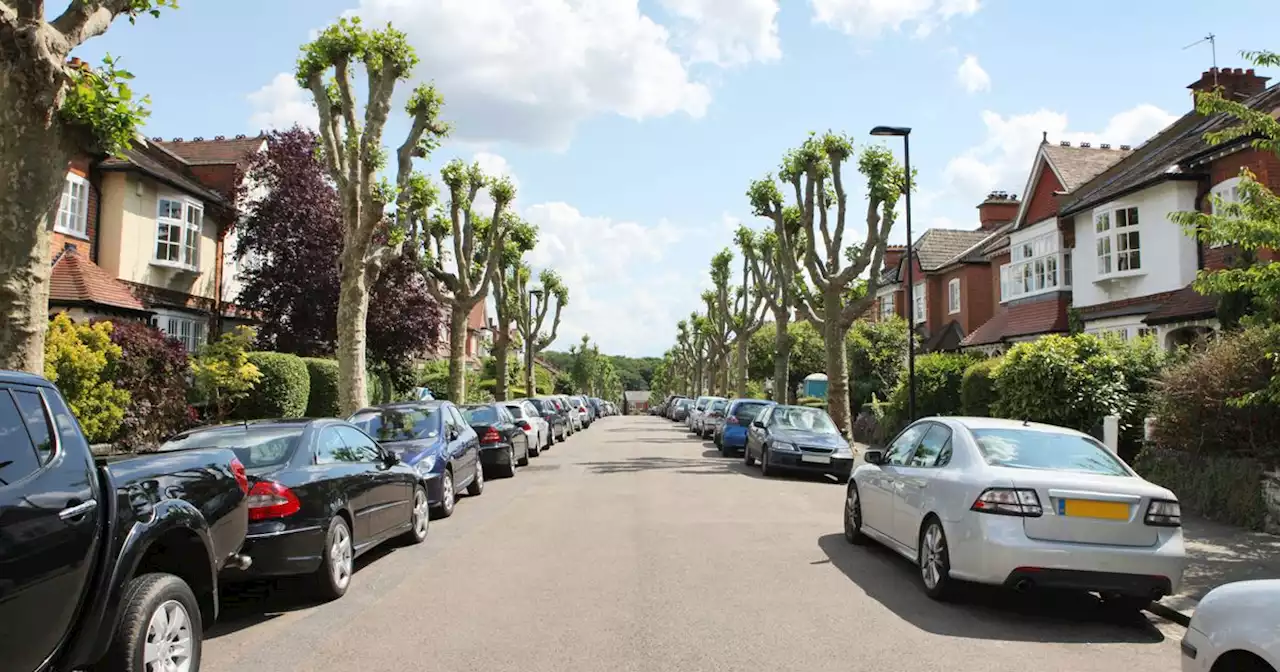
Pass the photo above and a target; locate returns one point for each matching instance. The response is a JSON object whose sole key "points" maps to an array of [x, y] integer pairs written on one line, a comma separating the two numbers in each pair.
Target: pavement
{"points": [[634, 547]]}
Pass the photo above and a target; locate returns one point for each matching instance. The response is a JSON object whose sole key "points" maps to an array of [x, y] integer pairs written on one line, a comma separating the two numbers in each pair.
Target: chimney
{"points": [[1000, 208], [893, 255], [1236, 84]]}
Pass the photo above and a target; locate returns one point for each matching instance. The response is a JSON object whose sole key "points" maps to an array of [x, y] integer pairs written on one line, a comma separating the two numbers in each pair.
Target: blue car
{"points": [[731, 436], [434, 439]]}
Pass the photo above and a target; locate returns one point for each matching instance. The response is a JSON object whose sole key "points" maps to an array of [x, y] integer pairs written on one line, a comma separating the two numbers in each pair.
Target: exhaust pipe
{"points": [[1022, 585], [239, 561]]}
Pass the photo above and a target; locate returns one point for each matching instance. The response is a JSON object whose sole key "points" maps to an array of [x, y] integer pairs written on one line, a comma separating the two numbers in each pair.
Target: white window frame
{"points": [[74, 208], [1038, 265], [918, 310], [190, 331], [1228, 191], [953, 296], [1114, 242], [887, 309], [187, 247]]}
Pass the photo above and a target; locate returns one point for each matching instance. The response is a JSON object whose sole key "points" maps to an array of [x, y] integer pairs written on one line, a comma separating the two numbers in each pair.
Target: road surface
{"points": [[635, 547]]}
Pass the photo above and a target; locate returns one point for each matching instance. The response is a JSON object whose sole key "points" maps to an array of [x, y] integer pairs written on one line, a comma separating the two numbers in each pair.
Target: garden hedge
{"points": [[322, 400], [1224, 488], [1070, 381], [977, 388], [938, 379], [153, 368], [282, 392]]}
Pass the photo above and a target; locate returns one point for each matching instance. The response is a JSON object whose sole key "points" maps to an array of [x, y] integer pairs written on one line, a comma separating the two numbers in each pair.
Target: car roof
{"points": [[972, 422], [301, 423], [22, 378], [402, 404]]}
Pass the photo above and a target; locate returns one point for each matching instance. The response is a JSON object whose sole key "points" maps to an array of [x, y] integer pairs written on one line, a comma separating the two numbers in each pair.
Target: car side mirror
{"points": [[873, 456], [452, 433], [391, 459], [757, 423]]}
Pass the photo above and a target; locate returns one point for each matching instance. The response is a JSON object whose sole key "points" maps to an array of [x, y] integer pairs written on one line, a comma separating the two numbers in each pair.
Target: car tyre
{"points": [[765, 469], [934, 560], [337, 562], [420, 518], [531, 451], [476, 487], [448, 495], [853, 516], [746, 457], [509, 469], [156, 606], [524, 457]]}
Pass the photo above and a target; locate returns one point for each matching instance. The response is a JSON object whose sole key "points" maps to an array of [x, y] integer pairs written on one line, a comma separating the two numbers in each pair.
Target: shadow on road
{"points": [[981, 612], [710, 464]]}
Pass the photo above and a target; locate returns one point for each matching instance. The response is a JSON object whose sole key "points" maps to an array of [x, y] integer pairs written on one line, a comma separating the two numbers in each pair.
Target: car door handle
{"points": [[73, 512]]}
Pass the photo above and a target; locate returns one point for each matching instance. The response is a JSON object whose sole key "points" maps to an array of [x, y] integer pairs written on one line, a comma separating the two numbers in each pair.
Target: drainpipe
{"points": [[95, 183]]}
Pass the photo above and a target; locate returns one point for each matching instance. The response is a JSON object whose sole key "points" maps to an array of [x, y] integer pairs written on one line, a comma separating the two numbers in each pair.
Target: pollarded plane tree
{"points": [[783, 264], [535, 303], [513, 278], [757, 293], [719, 322]]}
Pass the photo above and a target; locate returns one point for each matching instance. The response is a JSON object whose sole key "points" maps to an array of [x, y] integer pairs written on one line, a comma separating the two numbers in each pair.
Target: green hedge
{"points": [[283, 391], [938, 378], [322, 401], [1070, 381], [977, 388], [1224, 488]]}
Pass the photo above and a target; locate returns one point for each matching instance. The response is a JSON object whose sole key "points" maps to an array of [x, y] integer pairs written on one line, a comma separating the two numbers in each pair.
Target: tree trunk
{"points": [[782, 359], [458, 353], [353, 308], [33, 168], [501, 345], [741, 382], [837, 368]]}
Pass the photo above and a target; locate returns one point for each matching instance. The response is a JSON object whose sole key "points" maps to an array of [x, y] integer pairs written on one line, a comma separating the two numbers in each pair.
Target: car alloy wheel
{"points": [[341, 557], [935, 563], [168, 643], [421, 513], [853, 516], [447, 495]]}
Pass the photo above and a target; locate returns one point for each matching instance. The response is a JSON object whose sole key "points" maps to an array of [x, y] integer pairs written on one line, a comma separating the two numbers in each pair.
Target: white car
{"points": [[533, 425], [711, 418], [1017, 504], [695, 412], [1234, 628]]}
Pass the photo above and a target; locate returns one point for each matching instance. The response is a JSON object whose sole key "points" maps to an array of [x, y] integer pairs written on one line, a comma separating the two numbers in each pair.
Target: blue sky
{"points": [[633, 128]]}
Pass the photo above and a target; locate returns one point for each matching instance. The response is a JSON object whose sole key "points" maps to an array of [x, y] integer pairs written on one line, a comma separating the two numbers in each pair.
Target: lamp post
{"points": [[905, 133], [531, 380]]}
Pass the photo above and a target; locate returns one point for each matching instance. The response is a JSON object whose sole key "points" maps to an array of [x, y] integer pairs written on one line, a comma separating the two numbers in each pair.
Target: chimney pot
{"points": [[1238, 71], [1105, 146], [1237, 83], [177, 139], [1249, 72], [197, 139], [219, 137], [1085, 145], [240, 137], [1064, 143], [1126, 147]]}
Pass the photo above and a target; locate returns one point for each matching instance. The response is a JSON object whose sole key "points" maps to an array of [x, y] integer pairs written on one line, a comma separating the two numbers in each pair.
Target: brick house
{"points": [[1033, 255], [143, 236], [479, 327], [1134, 267]]}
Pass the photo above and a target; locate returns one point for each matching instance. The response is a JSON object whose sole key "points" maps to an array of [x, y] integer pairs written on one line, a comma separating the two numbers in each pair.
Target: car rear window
{"points": [[254, 446], [748, 412], [1054, 451], [718, 405], [481, 415], [399, 424]]}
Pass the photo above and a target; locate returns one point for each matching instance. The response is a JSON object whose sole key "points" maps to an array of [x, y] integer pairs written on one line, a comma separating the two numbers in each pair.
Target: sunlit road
{"points": [[634, 547]]}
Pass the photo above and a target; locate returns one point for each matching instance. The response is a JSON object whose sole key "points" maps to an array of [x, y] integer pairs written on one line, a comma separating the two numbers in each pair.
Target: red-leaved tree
{"points": [[290, 237]]}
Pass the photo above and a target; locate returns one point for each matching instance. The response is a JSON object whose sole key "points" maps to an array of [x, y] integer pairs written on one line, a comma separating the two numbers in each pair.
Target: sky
{"points": [[633, 127]]}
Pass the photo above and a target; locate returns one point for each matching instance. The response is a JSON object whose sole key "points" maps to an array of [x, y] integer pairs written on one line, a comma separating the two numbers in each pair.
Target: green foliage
{"points": [[1071, 381], [813, 402], [102, 101], [876, 352], [564, 384], [222, 373], [1224, 488], [153, 368], [348, 41], [977, 388], [81, 360], [283, 390], [938, 380], [322, 399], [755, 390]]}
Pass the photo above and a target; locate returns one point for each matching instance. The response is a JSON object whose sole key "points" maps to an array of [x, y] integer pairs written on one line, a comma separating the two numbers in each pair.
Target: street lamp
{"points": [[530, 379], [905, 133]]}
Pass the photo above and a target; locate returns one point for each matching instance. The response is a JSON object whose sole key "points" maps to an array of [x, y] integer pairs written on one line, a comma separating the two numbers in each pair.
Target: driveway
{"points": [[634, 547]]}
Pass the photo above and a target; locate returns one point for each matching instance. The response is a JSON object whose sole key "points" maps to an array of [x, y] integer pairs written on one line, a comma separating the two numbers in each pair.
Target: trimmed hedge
{"points": [[322, 399], [1070, 381], [1224, 488], [977, 388], [938, 378], [283, 390]]}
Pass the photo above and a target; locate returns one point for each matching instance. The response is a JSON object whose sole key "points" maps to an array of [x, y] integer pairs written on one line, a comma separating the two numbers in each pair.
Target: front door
{"points": [[389, 492], [342, 468], [911, 502], [877, 508], [49, 524], [464, 447]]}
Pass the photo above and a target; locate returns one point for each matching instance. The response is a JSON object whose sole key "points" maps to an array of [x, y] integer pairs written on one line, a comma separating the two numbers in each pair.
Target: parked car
{"points": [[710, 417], [731, 436], [596, 407], [798, 438], [584, 416], [680, 412], [503, 444], [670, 407], [535, 428], [1018, 504], [321, 493], [571, 411], [433, 439], [557, 419], [1234, 628], [699, 405], [109, 563]]}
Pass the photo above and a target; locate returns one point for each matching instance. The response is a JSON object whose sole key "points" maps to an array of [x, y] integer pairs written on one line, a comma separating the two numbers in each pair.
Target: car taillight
{"points": [[491, 436], [1009, 502], [242, 478], [269, 499], [524, 424], [1164, 513]]}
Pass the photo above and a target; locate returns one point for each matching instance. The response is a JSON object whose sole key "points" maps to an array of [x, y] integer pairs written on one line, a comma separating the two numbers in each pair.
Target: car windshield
{"points": [[516, 410], [805, 419], [407, 423], [748, 412], [1054, 451], [481, 415], [683, 403], [718, 405], [254, 446]]}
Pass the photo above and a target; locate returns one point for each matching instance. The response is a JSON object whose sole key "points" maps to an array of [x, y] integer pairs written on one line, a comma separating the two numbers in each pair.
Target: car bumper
{"points": [[999, 552], [1197, 651], [280, 549], [840, 466], [734, 438], [494, 454]]}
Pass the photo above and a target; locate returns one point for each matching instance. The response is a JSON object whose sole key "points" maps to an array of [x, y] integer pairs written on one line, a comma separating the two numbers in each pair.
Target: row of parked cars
{"points": [[115, 563], [1005, 503]]}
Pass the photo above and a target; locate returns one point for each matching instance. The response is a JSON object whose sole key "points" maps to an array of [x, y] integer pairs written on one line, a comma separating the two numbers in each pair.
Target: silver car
{"points": [[1017, 504], [699, 405], [712, 418]]}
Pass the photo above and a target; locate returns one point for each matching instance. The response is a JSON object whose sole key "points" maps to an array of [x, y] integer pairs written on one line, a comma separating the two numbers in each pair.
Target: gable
{"points": [[1043, 202]]}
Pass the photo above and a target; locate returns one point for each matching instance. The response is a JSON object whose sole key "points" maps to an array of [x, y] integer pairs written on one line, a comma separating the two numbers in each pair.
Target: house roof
{"points": [[156, 161], [938, 247], [1184, 304], [1161, 157], [1033, 317], [219, 150], [76, 280], [1076, 165]]}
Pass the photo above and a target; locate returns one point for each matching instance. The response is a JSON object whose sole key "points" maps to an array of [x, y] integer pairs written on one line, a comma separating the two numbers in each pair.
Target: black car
{"points": [[94, 553], [798, 438], [321, 493], [557, 418], [503, 444]]}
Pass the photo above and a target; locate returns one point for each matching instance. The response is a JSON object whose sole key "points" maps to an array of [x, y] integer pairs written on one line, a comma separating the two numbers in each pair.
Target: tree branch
{"points": [[837, 181], [332, 159], [31, 10], [543, 343]]}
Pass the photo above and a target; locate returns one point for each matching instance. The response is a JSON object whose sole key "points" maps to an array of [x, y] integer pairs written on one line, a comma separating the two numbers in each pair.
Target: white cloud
{"points": [[281, 104], [493, 165], [869, 18], [729, 32], [530, 70], [971, 75]]}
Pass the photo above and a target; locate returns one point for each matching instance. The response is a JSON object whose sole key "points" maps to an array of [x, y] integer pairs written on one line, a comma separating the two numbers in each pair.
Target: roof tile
{"points": [[1184, 304], [937, 247], [75, 279], [1078, 165], [220, 150]]}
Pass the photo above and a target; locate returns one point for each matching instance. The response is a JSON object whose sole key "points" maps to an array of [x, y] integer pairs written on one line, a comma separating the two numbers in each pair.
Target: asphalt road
{"points": [[635, 547]]}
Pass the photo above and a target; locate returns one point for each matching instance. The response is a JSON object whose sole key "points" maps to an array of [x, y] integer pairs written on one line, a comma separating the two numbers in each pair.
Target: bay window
{"points": [[178, 225], [191, 332], [1118, 241], [918, 300], [1036, 266], [953, 296], [73, 209]]}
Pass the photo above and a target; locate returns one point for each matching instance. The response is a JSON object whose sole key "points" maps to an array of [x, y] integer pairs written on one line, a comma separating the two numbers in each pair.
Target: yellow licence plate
{"points": [[1087, 508]]}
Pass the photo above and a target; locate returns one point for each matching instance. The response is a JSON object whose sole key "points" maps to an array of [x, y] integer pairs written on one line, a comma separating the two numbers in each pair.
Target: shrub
{"points": [[322, 397], [283, 390], [1197, 403], [814, 402], [1071, 381], [1142, 360], [938, 377], [153, 368], [81, 360], [977, 388], [1225, 488], [223, 374]]}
